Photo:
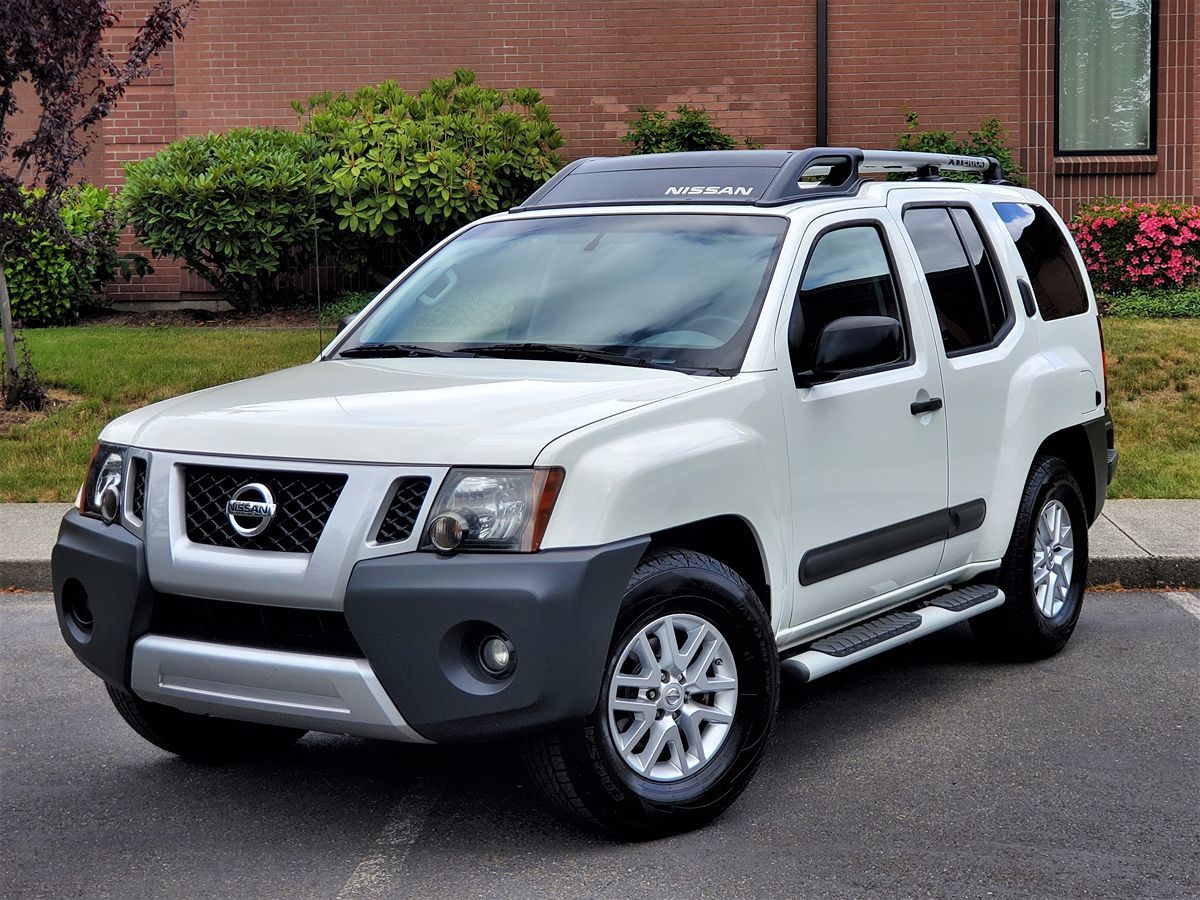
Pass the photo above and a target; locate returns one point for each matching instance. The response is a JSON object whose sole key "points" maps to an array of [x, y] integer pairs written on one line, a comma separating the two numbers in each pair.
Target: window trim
{"points": [[1152, 139], [1001, 282], [910, 357]]}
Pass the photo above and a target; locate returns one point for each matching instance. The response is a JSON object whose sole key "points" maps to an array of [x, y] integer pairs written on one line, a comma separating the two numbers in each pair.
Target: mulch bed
{"points": [[192, 318]]}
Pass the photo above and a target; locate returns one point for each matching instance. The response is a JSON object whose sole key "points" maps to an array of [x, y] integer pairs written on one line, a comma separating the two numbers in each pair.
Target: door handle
{"points": [[919, 407]]}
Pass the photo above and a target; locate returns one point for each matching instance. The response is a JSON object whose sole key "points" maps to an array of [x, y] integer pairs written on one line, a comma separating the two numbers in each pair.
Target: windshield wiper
{"points": [[378, 351], [565, 352]]}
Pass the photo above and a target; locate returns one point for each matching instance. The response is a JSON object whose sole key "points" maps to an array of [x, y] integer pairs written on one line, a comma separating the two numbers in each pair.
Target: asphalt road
{"points": [[923, 773]]}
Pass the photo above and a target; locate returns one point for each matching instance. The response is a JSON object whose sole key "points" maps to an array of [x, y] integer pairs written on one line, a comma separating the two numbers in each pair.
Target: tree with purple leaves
{"points": [[60, 48]]}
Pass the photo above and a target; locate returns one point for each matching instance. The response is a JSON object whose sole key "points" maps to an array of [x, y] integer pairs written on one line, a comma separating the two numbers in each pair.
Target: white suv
{"points": [[588, 471]]}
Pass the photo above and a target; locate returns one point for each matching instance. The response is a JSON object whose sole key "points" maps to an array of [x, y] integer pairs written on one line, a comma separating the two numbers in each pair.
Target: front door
{"points": [[867, 450]]}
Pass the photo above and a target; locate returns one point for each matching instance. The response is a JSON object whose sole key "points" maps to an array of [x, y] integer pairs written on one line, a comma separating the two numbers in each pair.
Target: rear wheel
{"points": [[200, 738], [688, 699], [1044, 572]]}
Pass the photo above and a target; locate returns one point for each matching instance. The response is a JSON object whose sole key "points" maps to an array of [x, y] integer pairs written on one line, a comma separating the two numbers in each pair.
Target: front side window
{"points": [[962, 282], [676, 291], [1057, 282], [1105, 76], [848, 273]]}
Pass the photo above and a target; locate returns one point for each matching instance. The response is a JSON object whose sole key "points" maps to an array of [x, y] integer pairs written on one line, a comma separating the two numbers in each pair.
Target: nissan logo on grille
{"points": [[251, 509]]}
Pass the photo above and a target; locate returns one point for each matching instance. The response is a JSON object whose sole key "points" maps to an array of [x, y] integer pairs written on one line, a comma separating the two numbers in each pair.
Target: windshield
{"points": [[676, 291]]}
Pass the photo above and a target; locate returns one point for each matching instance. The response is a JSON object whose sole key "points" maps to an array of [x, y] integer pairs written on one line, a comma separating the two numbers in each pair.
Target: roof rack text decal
{"points": [[710, 189]]}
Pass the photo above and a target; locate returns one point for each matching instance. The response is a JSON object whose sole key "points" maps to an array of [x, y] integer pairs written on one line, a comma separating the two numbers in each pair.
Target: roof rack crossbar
{"points": [[743, 177]]}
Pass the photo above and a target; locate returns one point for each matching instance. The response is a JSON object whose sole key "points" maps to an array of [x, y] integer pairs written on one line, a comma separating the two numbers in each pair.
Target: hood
{"points": [[452, 411]]}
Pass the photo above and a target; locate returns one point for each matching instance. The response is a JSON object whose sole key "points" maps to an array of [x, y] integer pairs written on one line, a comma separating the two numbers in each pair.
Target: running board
{"points": [[875, 636]]}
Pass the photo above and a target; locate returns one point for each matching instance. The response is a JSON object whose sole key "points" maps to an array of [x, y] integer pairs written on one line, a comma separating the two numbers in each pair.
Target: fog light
{"points": [[110, 505], [497, 656], [448, 531]]}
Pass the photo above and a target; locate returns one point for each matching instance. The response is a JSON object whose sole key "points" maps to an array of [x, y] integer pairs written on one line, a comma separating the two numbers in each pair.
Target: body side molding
{"points": [[852, 553]]}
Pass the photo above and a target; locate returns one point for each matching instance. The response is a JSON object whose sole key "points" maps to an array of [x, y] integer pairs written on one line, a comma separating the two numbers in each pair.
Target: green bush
{"points": [[1177, 303], [399, 171], [50, 281], [237, 208], [690, 129], [346, 304], [991, 139]]}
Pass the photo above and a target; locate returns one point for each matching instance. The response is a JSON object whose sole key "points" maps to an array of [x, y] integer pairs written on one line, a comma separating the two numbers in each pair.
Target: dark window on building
{"points": [[848, 273], [1105, 71], [1058, 285], [961, 277]]}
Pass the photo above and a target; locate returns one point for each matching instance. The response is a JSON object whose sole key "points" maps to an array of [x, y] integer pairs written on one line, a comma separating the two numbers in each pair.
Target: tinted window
{"points": [[847, 274], [962, 315], [1057, 282], [989, 285]]}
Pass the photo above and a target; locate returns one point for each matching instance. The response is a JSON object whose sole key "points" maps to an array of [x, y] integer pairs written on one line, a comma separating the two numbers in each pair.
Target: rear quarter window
{"points": [[1058, 285]]}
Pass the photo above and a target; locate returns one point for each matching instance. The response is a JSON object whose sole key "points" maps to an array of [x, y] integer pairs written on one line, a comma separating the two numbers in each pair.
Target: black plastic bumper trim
{"points": [[419, 618]]}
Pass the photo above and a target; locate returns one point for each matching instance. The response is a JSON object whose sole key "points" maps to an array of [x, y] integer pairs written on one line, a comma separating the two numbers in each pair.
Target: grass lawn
{"points": [[1154, 370], [1154, 377], [115, 370]]}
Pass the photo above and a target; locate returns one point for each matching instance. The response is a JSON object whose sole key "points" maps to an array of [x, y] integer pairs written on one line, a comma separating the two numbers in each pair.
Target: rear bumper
{"points": [[416, 617], [1104, 458]]}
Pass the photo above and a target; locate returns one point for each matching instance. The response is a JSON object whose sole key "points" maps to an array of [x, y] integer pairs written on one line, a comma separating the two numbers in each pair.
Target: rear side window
{"points": [[962, 280], [848, 273], [1057, 283]]}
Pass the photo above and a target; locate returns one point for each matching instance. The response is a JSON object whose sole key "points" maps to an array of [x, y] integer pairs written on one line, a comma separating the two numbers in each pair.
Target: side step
{"points": [[870, 638]]}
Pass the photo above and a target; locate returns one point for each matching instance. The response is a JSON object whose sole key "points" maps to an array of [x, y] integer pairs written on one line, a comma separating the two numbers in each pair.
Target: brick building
{"points": [[1100, 95]]}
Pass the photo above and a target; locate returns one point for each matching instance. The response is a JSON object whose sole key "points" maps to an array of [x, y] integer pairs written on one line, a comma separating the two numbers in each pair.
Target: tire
{"points": [[720, 732], [200, 738], [1026, 626]]}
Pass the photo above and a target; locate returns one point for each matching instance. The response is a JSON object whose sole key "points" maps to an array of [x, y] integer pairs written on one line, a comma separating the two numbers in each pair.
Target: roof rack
{"points": [[741, 177]]}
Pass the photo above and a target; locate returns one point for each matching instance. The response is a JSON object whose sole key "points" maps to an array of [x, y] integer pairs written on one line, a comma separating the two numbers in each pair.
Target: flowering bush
{"points": [[1139, 245]]}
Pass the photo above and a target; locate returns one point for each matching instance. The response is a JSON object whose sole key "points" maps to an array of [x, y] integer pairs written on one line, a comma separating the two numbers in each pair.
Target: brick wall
{"points": [[751, 64]]}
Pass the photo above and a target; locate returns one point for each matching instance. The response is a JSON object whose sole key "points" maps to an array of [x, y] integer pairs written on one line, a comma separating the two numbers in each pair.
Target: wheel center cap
{"points": [[672, 697]]}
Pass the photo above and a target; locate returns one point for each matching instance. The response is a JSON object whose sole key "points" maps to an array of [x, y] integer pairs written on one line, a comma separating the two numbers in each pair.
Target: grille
{"points": [[303, 502], [402, 512], [137, 505], [254, 625]]}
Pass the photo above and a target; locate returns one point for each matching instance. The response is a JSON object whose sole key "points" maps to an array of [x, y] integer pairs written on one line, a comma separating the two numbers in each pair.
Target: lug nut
{"points": [[675, 715], [665, 678], [652, 694], [658, 714]]}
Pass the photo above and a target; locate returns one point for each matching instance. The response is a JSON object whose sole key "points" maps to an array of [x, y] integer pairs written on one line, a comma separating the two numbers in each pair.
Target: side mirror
{"points": [[851, 343], [344, 322]]}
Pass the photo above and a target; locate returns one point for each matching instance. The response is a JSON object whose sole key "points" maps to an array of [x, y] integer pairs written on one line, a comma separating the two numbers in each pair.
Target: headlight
{"points": [[103, 491], [492, 509]]}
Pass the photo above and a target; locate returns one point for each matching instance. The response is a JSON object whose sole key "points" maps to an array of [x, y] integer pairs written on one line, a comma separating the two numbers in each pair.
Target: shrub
{"points": [[346, 304], [1127, 246], [691, 129], [399, 171], [1160, 303], [50, 280], [237, 208], [991, 139]]}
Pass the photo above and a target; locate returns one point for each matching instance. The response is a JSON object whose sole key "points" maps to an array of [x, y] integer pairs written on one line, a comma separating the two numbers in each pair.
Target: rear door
{"points": [[981, 346], [868, 475]]}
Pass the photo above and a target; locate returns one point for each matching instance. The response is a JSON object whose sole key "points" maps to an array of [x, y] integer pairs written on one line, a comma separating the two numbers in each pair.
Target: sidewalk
{"points": [[1136, 543]]}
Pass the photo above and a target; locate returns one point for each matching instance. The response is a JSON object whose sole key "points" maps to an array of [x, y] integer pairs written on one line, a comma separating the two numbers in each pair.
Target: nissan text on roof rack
{"points": [[590, 471]]}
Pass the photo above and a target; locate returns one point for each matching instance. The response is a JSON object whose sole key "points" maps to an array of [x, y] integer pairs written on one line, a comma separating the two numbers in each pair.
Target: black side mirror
{"points": [[344, 322], [852, 343]]}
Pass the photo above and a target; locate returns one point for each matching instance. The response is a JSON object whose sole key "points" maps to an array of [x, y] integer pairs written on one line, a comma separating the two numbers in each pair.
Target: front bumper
{"points": [[415, 616]]}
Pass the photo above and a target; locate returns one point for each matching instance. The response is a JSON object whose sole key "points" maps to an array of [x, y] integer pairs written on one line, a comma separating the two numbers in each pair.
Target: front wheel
{"points": [[688, 700], [1044, 571]]}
